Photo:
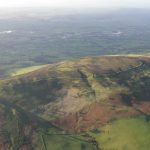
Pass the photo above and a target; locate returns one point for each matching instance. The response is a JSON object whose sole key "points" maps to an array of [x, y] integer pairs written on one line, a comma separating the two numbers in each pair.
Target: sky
{"points": [[76, 3]]}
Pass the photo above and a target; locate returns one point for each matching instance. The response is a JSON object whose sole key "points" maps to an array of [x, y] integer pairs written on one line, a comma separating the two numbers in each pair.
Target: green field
{"points": [[65, 142], [25, 70], [125, 134]]}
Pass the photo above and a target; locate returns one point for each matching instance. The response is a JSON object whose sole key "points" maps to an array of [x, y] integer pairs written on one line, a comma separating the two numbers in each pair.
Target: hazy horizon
{"points": [[7, 12], [76, 3]]}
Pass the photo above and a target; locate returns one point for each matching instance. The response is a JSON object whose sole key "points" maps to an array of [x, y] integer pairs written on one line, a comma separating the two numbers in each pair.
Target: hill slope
{"points": [[20, 130], [68, 87], [76, 96]]}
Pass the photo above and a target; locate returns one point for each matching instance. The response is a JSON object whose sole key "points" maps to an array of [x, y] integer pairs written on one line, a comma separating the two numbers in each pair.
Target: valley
{"points": [[45, 37]]}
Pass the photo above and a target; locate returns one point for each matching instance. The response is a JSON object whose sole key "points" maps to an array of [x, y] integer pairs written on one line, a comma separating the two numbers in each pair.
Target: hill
{"points": [[82, 97], [68, 87]]}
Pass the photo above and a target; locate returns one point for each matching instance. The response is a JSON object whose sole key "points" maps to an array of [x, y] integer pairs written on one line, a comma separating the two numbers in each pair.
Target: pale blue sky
{"points": [[76, 3]]}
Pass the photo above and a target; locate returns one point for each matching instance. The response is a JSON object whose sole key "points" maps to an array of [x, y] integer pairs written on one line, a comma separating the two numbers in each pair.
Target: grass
{"points": [[125, 134], [65, 142], [26, 70]]}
